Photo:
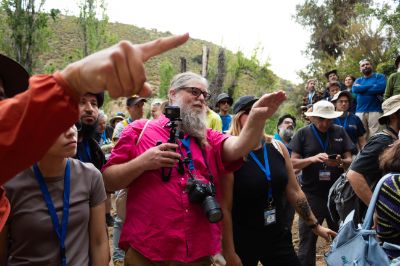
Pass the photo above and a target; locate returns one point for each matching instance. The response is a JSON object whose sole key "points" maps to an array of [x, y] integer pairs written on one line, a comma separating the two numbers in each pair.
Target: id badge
{"points": [[269, 216], [324, 175]]}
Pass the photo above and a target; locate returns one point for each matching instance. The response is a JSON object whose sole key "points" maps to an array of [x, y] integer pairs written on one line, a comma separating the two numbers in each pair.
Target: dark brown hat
{"points": [[396, 63], [330, 72], [15, 77]]}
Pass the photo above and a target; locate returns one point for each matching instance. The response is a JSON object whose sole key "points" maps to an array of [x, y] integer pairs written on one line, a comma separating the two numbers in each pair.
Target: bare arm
{"points": [[119, 176], [299, 201], [361, 142], [99, 249], [360, 186], [235, 148], [4, 245], [228, 247], [300, 163]]}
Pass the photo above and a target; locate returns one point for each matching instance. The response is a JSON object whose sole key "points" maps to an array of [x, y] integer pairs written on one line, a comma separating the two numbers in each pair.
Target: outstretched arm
{"points": [[236, 147]]}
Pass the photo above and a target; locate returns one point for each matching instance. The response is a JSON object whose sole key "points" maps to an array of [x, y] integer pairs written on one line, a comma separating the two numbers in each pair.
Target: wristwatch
{"points": [[313, 226]]}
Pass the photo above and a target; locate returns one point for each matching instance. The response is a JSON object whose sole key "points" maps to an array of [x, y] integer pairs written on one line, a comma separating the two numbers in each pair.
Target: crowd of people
{"points": [[194, 184]]}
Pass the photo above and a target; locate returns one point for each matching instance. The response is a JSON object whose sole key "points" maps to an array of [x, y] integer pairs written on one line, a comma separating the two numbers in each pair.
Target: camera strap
{"points": [[191, 168], [60, 229]]}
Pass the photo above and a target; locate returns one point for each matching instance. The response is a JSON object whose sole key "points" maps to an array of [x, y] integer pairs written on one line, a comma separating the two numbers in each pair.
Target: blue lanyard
{"points": [[60, 232], [265, 168], [104, 137], [310, 96], [345, 121], [323, 146], [186, 144]]}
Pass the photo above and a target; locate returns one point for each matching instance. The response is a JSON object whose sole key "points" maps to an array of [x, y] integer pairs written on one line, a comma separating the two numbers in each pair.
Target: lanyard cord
{"points": [[186, 144], [60, 230], [265, 169], [345, 121], [325, 145]]}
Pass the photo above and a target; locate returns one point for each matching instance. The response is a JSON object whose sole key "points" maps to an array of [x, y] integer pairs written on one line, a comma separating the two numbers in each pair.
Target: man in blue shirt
{"points": [[369, 90], [224, 103]]}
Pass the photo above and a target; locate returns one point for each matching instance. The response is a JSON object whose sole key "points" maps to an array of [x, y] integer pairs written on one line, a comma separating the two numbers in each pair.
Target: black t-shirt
{"points": [[367, 164], [367, 161], [250, 192], [306, 144]]}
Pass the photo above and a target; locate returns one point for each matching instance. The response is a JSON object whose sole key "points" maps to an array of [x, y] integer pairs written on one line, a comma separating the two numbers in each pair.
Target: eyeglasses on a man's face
{"points": [[196, 92]]}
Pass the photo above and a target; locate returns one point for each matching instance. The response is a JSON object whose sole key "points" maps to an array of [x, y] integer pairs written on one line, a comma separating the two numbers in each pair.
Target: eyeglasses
{"points": [[196, 92], [223, 102]]}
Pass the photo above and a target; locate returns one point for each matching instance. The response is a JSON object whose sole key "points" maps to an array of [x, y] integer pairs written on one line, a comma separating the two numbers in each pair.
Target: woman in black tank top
{"points": [[253, 228]]}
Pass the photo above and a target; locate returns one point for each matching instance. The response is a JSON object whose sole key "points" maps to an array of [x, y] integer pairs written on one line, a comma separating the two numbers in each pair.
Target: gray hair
{"points": [[102, 115], [362, 61], [183, 79]]}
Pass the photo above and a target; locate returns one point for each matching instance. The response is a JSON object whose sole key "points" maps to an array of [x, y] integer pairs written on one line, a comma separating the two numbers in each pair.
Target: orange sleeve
{"points": [[31, 121]]}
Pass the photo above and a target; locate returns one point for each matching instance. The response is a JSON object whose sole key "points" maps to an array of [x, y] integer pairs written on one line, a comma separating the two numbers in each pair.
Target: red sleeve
{"points": [[31, 121]]}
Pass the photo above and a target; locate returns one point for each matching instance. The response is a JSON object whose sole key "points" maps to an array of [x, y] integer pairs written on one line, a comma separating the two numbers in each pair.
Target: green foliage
{"points": [[166, 74], [357, 36], [27, 31], [93, 30]]}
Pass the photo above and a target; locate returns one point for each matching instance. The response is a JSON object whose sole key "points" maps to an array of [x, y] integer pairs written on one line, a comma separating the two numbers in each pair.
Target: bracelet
{"points": [[313, 226]]}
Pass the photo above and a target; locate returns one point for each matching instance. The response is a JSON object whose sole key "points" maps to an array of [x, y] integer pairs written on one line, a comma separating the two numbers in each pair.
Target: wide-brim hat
{"points": [[324, 109], [243, 103], [389, 107], [330, 72], [396, 63], [15, 77], [118, 115], [224, 96], [341, 93]]}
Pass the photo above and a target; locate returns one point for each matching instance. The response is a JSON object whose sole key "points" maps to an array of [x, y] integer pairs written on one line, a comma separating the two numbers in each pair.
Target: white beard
{"points": [[193, 122]]}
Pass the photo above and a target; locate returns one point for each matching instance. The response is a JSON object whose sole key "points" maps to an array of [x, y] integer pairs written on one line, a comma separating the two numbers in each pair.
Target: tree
{"points": [[27, 31], [93, 30], [166, 74]]}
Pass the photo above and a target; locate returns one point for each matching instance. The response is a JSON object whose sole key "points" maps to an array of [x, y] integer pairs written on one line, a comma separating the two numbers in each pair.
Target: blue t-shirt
{"points": [[368, 91], [226, 122], [353, 126], [277, 137]]}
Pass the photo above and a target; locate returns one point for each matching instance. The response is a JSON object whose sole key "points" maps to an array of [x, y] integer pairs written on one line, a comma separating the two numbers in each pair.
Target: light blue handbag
{"points": [[359, 246]]}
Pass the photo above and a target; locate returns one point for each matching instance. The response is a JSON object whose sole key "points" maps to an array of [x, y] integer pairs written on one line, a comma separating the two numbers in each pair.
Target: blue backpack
{"points": [[359, 246]]}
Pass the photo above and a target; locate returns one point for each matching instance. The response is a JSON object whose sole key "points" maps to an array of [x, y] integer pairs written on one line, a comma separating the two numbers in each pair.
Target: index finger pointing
{"points": [[161, 45]]}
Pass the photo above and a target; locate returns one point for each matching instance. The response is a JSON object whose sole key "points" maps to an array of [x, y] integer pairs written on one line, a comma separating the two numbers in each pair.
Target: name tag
{"points": [[324, 175], [269, 216]]}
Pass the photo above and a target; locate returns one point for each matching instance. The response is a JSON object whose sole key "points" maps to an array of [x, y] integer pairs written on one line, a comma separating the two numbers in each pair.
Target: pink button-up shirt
{"points": [[160, 221]]}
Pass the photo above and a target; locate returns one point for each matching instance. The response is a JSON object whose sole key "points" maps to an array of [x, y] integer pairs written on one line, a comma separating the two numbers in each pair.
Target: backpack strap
{"points": [[371, 207], [277, 146], [141, 133]]}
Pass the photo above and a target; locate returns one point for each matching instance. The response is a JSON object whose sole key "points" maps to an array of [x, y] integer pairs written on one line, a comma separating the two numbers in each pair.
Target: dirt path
{"points": [[322, 245]]}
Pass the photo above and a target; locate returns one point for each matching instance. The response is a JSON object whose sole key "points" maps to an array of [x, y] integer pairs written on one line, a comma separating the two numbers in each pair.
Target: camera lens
{"points": [[212, 209]]}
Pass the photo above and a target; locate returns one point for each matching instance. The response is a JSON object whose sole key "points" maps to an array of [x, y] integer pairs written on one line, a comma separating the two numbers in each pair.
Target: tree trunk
{"points": [[183, 64], [217, 84], [204, 69]]}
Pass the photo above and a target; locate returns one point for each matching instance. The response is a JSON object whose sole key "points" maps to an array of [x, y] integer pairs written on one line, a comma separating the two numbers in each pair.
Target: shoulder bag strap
{"points": [[371, 208], [141, 133]]}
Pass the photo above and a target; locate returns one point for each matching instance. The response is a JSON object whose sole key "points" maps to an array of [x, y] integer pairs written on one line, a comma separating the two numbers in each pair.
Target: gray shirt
{"points": [[33, 240]]}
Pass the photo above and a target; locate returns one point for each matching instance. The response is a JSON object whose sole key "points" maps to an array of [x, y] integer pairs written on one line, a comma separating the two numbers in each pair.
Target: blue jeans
{"points": [[118, 254]]}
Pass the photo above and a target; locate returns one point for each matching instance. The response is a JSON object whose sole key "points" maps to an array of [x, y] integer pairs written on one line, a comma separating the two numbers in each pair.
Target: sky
{"points": [[235, 25]]}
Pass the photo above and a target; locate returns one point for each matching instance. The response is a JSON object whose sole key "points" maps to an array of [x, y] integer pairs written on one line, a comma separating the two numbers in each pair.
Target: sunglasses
{"points": [[196, 92]]}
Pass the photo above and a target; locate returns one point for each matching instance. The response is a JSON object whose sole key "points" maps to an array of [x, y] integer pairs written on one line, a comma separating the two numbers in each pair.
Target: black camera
{"points": [[172, 112], [200, 192]]}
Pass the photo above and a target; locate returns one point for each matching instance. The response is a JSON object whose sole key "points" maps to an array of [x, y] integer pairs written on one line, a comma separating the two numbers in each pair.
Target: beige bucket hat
{"points": [[324, 109], [390, 106]]}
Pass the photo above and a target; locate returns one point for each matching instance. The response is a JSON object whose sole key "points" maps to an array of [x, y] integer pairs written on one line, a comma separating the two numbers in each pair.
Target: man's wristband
{"points": [[313, 226]]}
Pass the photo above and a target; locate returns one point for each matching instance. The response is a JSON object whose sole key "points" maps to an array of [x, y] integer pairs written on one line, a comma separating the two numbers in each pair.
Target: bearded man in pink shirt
{"points": [[171, 211]]}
